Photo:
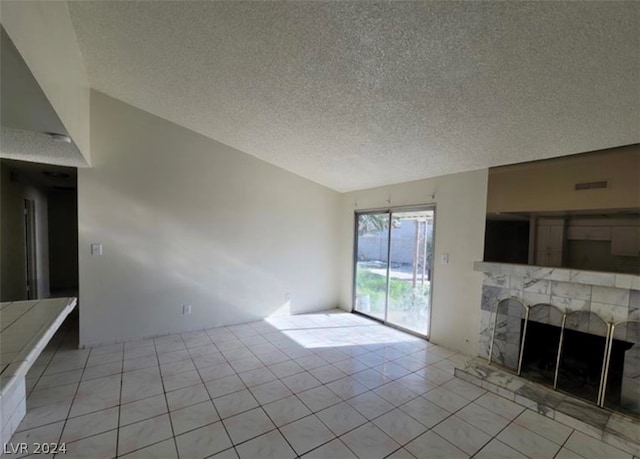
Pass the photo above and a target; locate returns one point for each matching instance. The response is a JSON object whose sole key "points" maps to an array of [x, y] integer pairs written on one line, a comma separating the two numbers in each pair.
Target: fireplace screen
{"points": [[540, 350], [508, 333], [582, 355], [622, 383], [577, 352]]}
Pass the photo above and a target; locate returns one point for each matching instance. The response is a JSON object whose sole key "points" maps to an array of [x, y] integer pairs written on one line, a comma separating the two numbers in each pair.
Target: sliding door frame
{"points": [[390, 211]]}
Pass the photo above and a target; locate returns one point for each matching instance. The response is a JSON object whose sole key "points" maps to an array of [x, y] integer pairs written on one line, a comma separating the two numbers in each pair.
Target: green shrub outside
{"points": [[400, 292]]}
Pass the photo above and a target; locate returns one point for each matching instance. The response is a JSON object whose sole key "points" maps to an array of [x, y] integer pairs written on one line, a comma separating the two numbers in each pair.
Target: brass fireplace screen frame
{"points": [[610, 326]]}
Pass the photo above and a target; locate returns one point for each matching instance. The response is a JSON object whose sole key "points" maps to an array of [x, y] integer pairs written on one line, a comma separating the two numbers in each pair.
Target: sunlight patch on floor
{"points": [[337, 329]]}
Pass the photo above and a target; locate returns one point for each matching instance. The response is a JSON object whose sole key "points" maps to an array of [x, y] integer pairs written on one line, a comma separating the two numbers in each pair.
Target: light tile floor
{"points": [[327, 385]]}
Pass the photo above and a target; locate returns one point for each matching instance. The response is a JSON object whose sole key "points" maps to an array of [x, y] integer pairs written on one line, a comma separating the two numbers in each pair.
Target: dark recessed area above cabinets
{"points": [[608, 242], [507, 241], [579, 212]]}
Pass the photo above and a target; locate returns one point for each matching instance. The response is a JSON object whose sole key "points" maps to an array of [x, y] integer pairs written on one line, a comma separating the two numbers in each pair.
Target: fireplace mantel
{"points": [[575, 276], [615, 297]]}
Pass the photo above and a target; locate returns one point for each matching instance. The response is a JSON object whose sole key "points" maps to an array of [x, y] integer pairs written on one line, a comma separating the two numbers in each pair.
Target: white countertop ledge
{"points": [[25, 329], [576, 276]]}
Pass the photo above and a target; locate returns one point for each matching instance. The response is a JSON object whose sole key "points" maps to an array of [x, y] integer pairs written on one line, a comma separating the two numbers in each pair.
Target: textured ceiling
{"points": [[360, 94], [36, 147]]}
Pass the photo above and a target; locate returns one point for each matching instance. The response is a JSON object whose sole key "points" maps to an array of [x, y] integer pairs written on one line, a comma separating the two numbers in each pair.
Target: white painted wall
{"points": [[43, 34], [184, 219], [461, 201]]}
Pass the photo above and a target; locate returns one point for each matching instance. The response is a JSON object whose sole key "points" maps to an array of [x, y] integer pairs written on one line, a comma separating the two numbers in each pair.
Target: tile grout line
{"points": [[500, 431], [54, 352], [119, 402], [261, 406], [564, 443], [164, 394], [304, 417], [210, 399], [73, 400], [292, 394], [312, 413], [38, 380]]}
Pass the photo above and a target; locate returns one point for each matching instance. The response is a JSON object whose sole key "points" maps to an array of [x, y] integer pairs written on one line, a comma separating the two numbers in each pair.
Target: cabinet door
{"points": [[542, 245], [549, 242], [556, 238], [589, 233], [543, 237], [625, 241], [554, 259]]}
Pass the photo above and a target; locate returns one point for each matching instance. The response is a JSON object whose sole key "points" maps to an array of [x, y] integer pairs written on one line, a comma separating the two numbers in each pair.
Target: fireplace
{"points": [[580, 366], [622, 388], [540, 355], [575, 331], [575, 352], [583, 353]]}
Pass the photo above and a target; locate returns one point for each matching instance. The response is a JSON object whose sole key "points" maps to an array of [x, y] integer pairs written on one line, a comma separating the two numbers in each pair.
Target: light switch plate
{"points": [[96, 249], [444, 258]]}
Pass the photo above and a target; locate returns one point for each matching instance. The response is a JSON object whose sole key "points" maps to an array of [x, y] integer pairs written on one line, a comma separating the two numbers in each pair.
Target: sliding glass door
{"points": [[371, 267], [394, 254], [409, 300]]}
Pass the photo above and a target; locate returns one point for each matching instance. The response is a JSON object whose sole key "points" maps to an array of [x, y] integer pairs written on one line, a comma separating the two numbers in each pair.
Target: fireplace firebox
{"points": [[581, 361], [576, 352]]}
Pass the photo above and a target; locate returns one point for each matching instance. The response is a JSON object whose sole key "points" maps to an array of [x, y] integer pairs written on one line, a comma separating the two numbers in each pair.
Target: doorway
{"points": [[393, 261], [39, 222]]}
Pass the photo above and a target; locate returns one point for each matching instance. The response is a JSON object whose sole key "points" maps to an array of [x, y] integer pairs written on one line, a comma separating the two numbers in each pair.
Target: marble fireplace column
{"points": [[630, 390]]}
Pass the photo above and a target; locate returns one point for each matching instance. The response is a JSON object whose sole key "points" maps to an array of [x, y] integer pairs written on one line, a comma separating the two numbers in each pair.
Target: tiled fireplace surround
{"points": [[613, 297]]}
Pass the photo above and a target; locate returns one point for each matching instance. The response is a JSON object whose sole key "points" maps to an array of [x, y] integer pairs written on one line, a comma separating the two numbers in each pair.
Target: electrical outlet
{"points": [[186, 309], [287, 296], [444, 258]]}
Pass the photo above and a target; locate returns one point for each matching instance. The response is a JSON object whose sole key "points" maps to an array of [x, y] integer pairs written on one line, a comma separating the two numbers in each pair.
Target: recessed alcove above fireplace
{"points": [[575, 331]]}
